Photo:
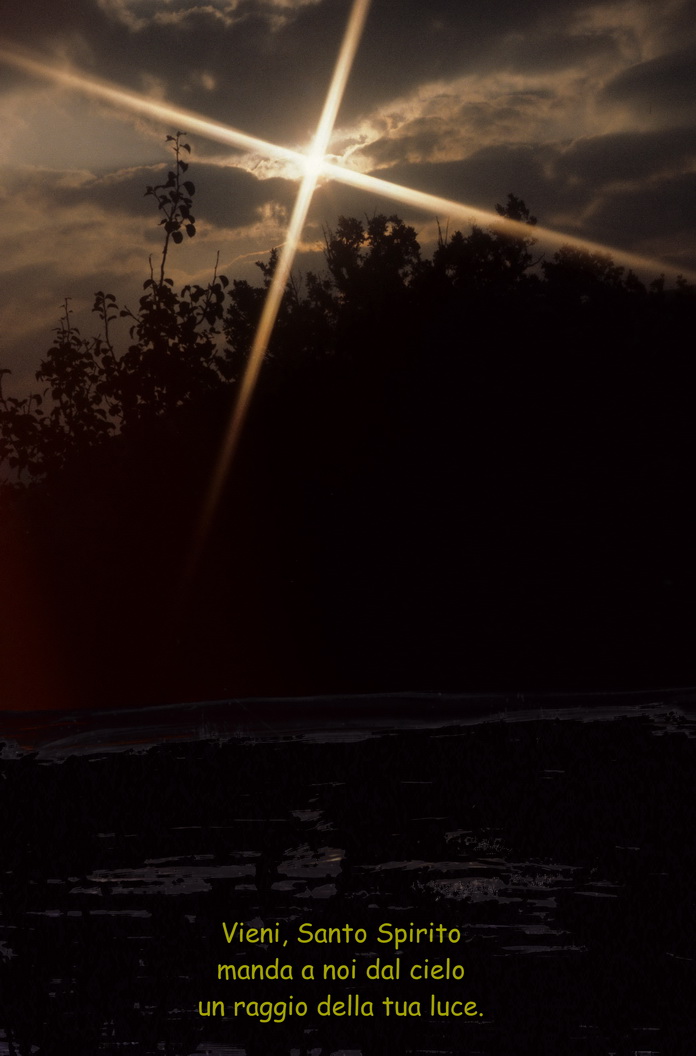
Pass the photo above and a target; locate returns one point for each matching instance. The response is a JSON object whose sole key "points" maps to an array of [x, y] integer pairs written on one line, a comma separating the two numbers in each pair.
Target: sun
{"points": [[314, 161], [315, 166]]}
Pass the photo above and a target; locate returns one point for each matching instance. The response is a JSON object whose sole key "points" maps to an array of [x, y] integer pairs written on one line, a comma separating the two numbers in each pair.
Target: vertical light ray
{"points": [[313, 161], [313, 166]]}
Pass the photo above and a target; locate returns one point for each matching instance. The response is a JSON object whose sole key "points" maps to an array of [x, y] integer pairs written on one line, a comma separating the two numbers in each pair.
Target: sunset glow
{"points": [[287, 406], [141, 104], [313, 164]]}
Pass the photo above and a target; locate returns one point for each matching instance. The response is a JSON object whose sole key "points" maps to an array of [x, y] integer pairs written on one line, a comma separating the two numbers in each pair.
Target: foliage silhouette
{"points": [[380, 299], [469, 466], [94, 392], [464, 472]]}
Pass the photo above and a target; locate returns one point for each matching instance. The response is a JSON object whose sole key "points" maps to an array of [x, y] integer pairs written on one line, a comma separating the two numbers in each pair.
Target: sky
{"points": [[585, 110]]}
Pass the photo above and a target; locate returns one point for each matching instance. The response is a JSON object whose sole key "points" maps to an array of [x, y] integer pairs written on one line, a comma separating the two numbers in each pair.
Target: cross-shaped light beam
{"points": [[311, 165], [229, 136]]}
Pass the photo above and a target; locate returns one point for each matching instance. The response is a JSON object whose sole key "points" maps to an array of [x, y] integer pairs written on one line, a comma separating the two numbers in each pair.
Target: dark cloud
{"points": [[224, 196], [550, 52], [271, 81], [230, 197], [665, 85], [117, 193], [655, 211], [558, 184], [409, 42], [485, 178], [584, 109], [268, 82], [677, 29], [54, 22], [627, 156]]}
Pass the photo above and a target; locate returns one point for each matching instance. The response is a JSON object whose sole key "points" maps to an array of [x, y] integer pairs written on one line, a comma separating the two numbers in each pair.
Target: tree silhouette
{"points": [[379, 299], [443, 454], [93, 392]]}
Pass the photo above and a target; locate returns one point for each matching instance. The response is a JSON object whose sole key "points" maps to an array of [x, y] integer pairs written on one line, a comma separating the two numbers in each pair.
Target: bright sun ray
{"points": [[432, 203], [140, 104], [313, 164]]}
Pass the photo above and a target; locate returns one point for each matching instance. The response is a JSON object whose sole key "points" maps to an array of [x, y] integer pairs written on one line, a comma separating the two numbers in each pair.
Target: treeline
{"points": [[464, 470], [379, 305]]}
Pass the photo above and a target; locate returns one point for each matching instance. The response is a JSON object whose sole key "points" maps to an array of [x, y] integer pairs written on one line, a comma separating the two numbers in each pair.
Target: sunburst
{"points": [[312, 164], [303, 161]]}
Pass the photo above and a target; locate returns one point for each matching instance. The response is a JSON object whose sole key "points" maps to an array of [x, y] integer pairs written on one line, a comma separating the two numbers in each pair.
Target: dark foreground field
{"points": [[557, 843]]}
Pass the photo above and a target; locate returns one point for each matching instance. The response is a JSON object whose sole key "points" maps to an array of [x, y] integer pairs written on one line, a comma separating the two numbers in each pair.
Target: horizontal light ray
{"points": [[384, 188], [445, 206], [281, 275], [139, 104]]}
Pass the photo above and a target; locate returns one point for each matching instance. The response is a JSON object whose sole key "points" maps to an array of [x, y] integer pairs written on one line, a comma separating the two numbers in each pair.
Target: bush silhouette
{"points": [[463, 468], [380, 298]]}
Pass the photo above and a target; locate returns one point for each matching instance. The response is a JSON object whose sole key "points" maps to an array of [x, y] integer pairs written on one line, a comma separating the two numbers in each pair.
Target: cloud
{"points": [[448, 121], [627, 157], [138, 14], [584, 109], [226, 196], [269, 79], [486, 177], [234, 60], [69, 232], [660, 217], [664, 87]]}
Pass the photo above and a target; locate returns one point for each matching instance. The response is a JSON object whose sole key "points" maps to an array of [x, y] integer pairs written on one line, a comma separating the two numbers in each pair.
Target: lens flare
{"points": [[281, 275], [310, 162], [311, 165], [140, 104]]}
